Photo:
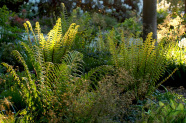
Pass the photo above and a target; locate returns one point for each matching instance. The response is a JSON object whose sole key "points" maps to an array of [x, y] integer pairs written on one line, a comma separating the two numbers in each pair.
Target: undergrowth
{"points": [[63, 82]]}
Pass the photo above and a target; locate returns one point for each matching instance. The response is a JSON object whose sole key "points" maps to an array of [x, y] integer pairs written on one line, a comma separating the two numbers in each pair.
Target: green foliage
{"points": [[103, 21], [176, 58], [7, 32], [66, 79], [56, 45], [26, 11], [51, 81], [131, 26], [6, 55], [145, 62], [167, 109], [16, 98], [161, 15]]}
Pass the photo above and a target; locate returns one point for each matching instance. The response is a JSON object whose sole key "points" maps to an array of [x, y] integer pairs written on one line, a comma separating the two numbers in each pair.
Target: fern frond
{"points": [[37, 59], [38, 32], [42, 41], [20, 58], [28, 33], [64, 46], [97, 73], [124, 52], [56, 45], [101, 44], [12, 71], [74, 60], [112, 46], [64, 16], [30, 26]]}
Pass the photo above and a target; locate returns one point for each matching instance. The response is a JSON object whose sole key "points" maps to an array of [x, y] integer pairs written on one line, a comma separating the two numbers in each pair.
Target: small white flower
{"points": [[101, 2], [74, 3], [37, 1], [182, 43], [108, 10], [36, 8]]}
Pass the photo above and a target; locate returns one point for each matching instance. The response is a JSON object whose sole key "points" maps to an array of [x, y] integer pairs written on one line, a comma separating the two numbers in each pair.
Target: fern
{"points": [[146, 62], [65, 19], [74, 60], [52, 73], [55, 46], [112, 47]]}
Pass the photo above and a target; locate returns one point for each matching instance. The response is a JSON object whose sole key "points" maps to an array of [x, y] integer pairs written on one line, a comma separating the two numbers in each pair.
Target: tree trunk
{"points": [[149, 18], [185, 7]]}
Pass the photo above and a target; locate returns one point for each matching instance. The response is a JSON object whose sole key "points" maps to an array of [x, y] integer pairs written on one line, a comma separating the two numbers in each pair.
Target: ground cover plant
{"points": [[83, 73]]}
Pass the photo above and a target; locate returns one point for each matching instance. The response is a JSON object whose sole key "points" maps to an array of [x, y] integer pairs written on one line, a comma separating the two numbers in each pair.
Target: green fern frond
{"points": [[21, 59], [12, 71], [112, 46], [101, 44], [145, 62], [74, 60], [97, 73], [28, 87], [55, 46], [30, 26], [64, 16], [37, 59], [28, 33], [124, 52], [38, 31]]}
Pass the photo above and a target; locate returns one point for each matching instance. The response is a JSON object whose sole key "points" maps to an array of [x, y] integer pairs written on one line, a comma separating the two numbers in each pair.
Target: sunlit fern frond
{"points": [[31, 29], [64, 46], [12, 71], [144, 61], [55, 45], [28, 33], [28, 86], [21, 59], [37, 59], [53, 39], [38, 32], [124, 52], [64, 16]]}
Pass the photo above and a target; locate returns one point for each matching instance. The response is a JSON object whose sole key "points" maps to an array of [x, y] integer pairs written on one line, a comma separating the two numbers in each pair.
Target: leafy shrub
{"points": [[161, 15], [103, 21], [6, 55], [7, 33], [167, 109], [130, 26]]}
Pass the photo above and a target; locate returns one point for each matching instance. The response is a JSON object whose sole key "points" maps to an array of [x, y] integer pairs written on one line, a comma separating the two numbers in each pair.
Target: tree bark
{"points": [[149, 18], [185, 7]]}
